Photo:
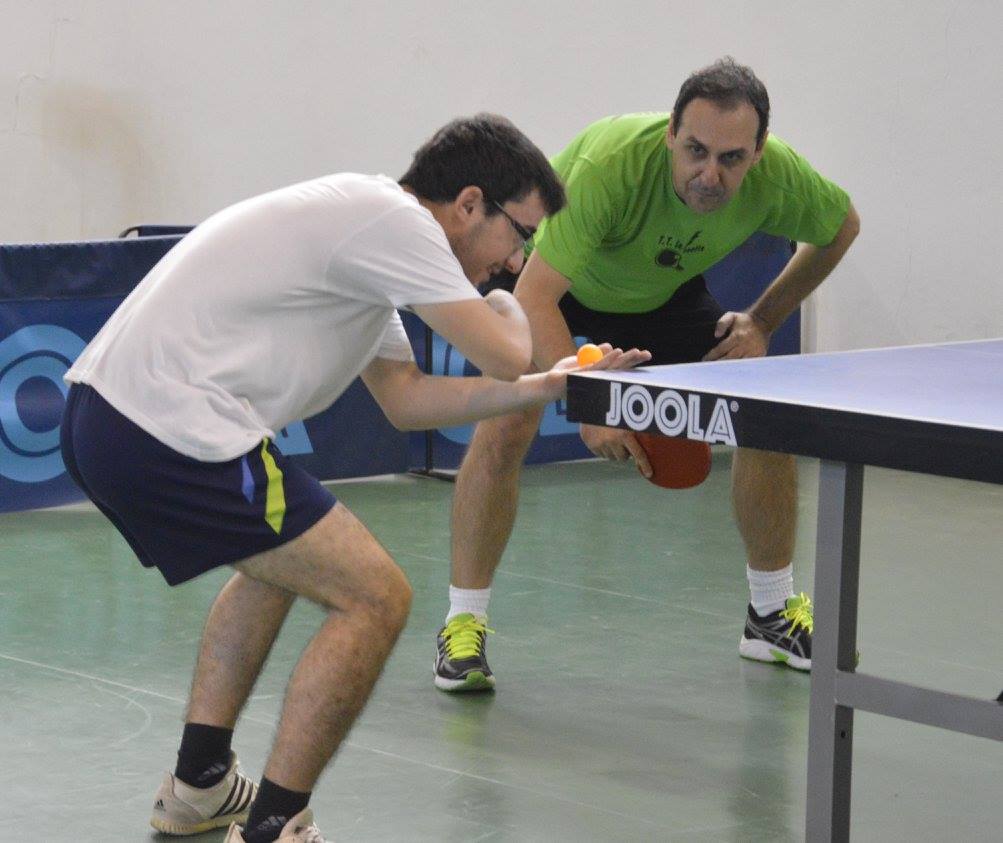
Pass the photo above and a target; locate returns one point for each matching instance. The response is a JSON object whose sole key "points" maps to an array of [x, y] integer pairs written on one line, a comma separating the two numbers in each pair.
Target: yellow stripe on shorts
{"points": [[275, 495]]}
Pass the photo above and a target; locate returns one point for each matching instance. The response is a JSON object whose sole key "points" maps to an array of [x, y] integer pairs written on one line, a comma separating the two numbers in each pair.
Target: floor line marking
{"points": [[353, 744]]}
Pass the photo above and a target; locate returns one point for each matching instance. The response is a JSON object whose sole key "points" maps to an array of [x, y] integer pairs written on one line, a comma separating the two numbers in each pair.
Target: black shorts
{"points": [[179, 514], [680, 331]]}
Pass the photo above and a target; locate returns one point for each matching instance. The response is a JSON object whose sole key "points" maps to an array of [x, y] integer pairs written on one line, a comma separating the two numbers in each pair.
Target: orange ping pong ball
{"points": [[589, 354]]}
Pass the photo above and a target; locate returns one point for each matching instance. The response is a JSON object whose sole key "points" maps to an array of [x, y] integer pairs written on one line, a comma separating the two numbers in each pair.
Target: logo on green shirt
{"points": [[672, 249]]}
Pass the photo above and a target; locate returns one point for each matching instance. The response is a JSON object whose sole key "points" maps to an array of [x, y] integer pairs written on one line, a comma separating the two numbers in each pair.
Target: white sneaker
{"points": [[182, 809], [300, 829]]}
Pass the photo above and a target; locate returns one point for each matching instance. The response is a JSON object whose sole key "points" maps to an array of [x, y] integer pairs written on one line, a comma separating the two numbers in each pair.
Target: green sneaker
{"points": [[460, 664], [783, 636]]}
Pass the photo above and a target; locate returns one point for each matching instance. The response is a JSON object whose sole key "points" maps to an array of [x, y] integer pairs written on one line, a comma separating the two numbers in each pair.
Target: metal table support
{"points": [[836, 688]]}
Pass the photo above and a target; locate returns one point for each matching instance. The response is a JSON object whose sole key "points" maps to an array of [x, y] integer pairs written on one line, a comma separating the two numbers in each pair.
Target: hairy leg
{"points": [[340, 566], [239, 633], [487, 496], [764, 495]]}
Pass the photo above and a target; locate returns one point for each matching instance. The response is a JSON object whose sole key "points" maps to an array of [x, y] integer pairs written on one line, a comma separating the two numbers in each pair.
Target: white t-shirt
{"points": [[267, 311]]}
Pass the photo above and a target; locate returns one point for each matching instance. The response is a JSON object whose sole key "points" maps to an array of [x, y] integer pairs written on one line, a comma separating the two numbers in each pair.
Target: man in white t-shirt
{"points": [[263, 315]]}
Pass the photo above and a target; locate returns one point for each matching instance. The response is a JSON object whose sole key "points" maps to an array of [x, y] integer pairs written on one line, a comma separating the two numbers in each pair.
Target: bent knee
{"points": [[384, 593], [505, 440], [395, 599]]}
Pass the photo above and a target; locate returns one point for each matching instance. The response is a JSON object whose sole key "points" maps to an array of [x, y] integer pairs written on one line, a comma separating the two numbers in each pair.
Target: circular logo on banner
{"points": [[33, 361]]}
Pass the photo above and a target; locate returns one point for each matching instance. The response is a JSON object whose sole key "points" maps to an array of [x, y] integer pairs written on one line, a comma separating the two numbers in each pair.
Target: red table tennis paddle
{"points": [[675, 463]]}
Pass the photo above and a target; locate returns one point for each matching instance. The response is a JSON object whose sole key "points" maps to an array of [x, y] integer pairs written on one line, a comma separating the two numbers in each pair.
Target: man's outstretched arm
{"points": [[413, 400]]}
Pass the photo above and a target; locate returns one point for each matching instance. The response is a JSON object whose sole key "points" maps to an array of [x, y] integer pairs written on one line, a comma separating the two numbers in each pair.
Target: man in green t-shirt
{"points": [[653, 201]]}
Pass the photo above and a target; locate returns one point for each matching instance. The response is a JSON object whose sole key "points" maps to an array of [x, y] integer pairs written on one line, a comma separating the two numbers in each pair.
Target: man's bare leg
{"points": [[484, 508], [239, 633], [339, 565], [764, 495], [778, 626], [487, 496]]}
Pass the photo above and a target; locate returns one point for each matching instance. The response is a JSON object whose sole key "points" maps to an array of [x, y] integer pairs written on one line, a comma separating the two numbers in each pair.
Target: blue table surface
{"points": [[957, 384]]}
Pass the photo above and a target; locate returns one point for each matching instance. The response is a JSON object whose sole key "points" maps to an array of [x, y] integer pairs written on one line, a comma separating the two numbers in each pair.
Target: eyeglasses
{"points": [[520, 229]]}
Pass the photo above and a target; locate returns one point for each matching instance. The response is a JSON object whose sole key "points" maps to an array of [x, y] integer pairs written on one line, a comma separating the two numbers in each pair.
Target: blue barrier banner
{"points": [[40, 341], [93, 269], [53, 300]]}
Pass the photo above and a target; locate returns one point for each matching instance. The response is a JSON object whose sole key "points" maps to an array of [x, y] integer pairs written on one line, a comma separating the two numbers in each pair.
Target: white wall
{"points": [[116, 112]]}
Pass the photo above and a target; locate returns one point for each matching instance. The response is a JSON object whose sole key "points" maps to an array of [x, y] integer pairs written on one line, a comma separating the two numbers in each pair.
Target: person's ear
{"points": [[468, 204], [670, 135]]}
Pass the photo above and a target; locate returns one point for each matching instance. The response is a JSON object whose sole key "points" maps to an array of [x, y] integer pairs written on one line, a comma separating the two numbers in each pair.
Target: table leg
{"points": [[834, 648]]}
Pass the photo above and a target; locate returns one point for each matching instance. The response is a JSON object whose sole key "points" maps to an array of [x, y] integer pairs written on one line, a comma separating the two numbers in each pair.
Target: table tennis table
{"points": [[935, 409]]}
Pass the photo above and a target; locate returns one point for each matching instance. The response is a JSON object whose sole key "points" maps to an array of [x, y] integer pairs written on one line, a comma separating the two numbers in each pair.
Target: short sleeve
{"points": [[567, 240], [809, 207], [394, 344]]}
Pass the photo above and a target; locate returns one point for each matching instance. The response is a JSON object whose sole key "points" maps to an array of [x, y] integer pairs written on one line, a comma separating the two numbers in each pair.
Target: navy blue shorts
{"points": [[179, 514]]}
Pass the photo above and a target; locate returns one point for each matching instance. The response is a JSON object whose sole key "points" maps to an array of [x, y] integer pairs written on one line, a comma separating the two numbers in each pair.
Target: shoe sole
{"points": [[473, 681], [186, 830], [762, 651]]}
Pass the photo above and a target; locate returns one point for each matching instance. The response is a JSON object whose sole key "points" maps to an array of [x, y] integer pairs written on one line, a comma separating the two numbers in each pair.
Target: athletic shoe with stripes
{"points": [[182, 809], [460, 663], [783, 636], [300, 829]]}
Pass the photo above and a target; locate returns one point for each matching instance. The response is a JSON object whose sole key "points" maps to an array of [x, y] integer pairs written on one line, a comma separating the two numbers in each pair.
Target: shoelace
{"points": [[799, 613], [463, 638]]}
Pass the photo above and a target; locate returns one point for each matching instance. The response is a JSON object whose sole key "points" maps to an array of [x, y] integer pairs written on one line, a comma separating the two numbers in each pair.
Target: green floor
{"points": [[623, 711]]}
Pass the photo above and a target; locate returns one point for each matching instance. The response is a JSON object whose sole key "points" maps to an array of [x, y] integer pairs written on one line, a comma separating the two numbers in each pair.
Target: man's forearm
{"points": [[552, 340], [447, 401], [808, 268], [539, 290], [413, 400], [803, 273]]}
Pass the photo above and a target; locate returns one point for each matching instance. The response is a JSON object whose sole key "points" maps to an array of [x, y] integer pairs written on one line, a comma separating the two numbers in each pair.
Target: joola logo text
{"points": [[672, 414]]}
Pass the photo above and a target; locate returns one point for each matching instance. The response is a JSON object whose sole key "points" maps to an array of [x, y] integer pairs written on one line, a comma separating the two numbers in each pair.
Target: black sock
{"points": [[204, 756], [271, 810]]}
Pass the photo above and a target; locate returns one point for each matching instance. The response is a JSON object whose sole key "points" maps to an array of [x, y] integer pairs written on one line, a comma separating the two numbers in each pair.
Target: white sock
{"points": [[472, 600], [769, 590]]}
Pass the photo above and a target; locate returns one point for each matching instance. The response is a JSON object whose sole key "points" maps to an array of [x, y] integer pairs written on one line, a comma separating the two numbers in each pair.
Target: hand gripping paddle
{"points": [[675, 463]]}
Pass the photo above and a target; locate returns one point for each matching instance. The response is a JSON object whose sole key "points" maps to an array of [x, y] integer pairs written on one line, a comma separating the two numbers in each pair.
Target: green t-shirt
{"points": [[627, 242]]}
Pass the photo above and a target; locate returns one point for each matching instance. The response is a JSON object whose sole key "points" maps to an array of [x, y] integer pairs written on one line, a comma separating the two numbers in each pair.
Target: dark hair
{"points": [[727, 84], [486, 151]]}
